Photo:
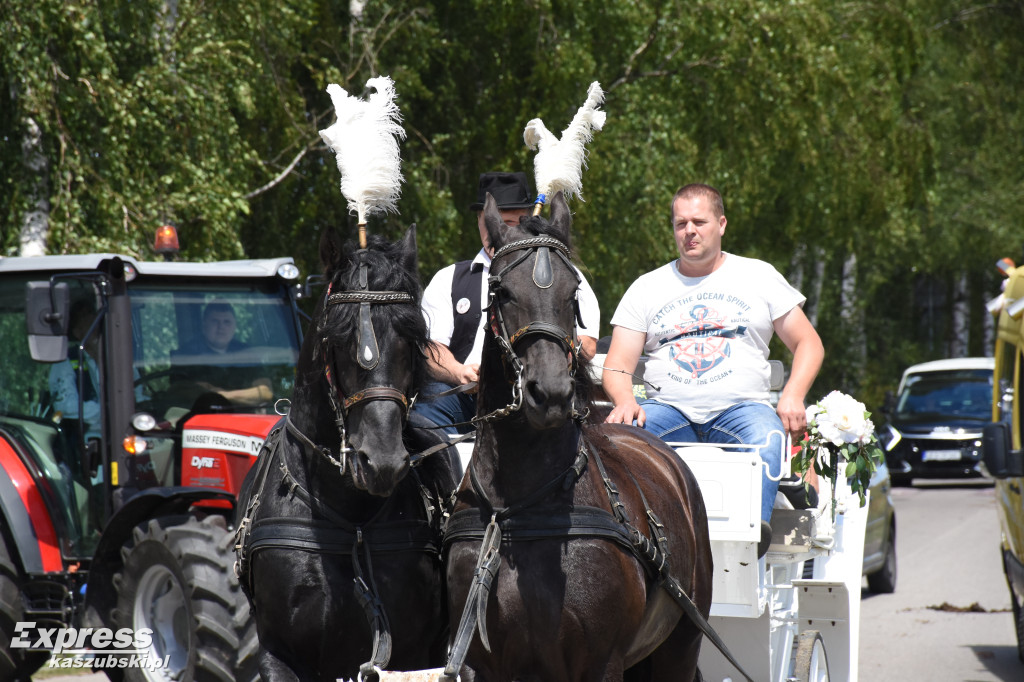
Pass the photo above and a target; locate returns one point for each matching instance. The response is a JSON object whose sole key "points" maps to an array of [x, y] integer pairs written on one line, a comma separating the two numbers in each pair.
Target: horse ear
{"points": [[493, 222], [561, 219], [330, 250], [408, 249]]}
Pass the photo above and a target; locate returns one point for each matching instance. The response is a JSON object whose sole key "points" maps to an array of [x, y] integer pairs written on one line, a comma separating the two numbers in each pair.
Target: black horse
{"points": [[575, 552], [338, 534]]}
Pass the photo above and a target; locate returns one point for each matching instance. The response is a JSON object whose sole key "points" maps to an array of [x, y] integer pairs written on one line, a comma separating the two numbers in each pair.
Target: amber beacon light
{"points": [[166, 242]]}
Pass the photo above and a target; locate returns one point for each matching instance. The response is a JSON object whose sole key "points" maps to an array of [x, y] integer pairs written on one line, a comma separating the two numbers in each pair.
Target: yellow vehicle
{"points": [[1002, 444]]}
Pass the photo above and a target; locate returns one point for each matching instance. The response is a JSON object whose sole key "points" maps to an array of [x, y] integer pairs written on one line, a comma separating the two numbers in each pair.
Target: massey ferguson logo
{"points": [[205, 462]]}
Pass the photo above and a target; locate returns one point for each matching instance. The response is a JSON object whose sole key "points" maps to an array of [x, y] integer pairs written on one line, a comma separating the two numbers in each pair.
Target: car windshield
{"points": [[964, 394]]}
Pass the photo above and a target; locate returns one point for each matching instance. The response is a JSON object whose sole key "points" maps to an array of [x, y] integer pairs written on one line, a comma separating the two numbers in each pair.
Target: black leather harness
{"points": [[333, 534], [515, 523]]}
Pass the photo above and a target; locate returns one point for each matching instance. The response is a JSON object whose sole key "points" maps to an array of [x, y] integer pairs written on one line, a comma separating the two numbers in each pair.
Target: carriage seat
{"points": [[792, 488]]}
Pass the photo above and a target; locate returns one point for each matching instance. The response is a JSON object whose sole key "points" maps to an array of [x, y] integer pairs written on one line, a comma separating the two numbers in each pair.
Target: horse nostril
{"points": [[364, 461], [537, 394]]}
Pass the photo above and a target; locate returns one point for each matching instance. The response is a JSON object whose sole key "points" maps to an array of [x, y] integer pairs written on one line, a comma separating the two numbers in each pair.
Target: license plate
{"points": [[939, 455]]}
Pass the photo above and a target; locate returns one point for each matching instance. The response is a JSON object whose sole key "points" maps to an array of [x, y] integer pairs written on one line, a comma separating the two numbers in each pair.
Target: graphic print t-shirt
{"points": [[707, 337]]}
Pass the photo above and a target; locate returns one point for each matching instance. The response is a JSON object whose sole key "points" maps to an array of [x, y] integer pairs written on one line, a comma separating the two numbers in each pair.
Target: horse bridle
{"points": [[367, 355], [543, 277]]}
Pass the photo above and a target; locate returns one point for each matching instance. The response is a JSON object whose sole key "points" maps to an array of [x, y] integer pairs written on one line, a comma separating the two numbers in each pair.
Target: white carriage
{"points": [[793, 614]]}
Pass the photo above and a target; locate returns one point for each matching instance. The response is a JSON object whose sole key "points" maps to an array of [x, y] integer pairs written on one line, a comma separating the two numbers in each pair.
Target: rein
{"points": [[337, 536], [508, 524], [543, 277]]}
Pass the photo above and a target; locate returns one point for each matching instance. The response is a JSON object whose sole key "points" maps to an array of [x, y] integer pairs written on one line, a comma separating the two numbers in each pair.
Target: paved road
{"points": [[947, 547]]}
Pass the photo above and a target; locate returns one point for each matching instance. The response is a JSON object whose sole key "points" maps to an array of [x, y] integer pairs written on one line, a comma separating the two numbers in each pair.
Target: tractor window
{"points": [[214, 346], [46, 419]]}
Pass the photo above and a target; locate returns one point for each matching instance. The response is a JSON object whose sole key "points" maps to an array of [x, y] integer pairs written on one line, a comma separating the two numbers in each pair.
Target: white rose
{"points": [[844, 419], [812, 413]]}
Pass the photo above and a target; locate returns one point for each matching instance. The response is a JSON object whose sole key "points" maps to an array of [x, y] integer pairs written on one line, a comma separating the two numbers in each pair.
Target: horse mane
{"points": [[385, 272]]}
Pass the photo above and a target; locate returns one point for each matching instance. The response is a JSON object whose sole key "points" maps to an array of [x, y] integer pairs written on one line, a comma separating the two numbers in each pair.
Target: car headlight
{"points": [[888, 437]]}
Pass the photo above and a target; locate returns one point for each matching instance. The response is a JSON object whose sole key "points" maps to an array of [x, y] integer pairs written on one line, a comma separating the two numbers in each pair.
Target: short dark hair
{"points": [[699, 189], [218, 305]]}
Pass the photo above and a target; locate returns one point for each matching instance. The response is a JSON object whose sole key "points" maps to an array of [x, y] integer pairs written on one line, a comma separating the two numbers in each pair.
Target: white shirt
{"points": [[707, 337], [437, 307]]}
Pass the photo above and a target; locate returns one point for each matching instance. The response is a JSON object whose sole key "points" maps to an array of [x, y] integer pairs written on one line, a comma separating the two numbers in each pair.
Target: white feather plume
{"points": [[365, 141], [559, 163]]}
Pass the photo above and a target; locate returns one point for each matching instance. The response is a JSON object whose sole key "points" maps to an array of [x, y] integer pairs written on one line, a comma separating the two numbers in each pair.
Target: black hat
{"points": [[508, 189]]}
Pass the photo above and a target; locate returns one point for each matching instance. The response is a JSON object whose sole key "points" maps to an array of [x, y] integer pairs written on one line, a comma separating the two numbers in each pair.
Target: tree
{"points": [[871, 146]]}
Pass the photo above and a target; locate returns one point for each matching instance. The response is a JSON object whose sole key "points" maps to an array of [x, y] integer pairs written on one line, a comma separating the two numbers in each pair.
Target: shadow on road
{"points": [[1001, 661]]}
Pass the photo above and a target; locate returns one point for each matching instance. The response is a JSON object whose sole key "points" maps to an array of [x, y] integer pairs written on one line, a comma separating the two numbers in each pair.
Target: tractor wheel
{"points": [[179, 582], [15, 664]]}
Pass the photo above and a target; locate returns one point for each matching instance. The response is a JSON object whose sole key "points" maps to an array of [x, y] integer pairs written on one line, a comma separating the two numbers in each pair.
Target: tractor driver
{"points": [[64, 375], [211, 363]]}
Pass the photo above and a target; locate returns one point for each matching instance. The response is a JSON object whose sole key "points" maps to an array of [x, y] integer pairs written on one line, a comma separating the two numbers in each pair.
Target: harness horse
{"points": [[338, 536], [575, 551]]}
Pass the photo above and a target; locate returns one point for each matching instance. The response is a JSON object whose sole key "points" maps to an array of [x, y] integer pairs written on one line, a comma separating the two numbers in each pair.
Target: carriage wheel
{"points": [[811, 664], [178, 581]]}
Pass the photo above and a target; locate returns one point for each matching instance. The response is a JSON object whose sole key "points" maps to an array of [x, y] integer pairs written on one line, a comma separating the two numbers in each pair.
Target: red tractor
{"points": [[127, 423]]}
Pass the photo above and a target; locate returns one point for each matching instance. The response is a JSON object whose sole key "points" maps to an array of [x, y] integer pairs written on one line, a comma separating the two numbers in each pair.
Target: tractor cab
{"points": [[106, 358]]}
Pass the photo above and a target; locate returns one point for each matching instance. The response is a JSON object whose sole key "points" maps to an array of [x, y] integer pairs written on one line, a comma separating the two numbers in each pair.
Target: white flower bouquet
{"points": [[840, 433]]}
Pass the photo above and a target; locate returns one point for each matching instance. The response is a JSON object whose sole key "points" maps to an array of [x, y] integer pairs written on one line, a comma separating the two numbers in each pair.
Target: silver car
{"points": [[880, 535]]}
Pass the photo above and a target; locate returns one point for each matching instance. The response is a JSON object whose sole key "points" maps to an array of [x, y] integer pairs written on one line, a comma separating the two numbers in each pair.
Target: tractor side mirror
{"points": [[46, 320], [1000, 460]]}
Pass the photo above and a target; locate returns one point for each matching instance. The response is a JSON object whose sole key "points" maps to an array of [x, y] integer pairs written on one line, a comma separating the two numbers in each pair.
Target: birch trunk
{"points": [[853, 324], [814, 288], [989, 331], [35, 223], [961, 321]]}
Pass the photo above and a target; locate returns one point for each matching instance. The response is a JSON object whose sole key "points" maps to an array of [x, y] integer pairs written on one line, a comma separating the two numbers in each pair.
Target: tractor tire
{"points": [[178, 580], [16, 665]]}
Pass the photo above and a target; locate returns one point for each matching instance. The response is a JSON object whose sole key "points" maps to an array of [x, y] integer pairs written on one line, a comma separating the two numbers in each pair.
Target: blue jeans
{"points": [[446, 410], [749, 423]]}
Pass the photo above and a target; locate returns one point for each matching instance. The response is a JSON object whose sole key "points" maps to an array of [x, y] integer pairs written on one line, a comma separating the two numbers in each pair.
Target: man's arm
{"points": [[64, 393], [258, 393], [800, 337], [623, 354], [590, 313], [588, 347], [443, 366]]}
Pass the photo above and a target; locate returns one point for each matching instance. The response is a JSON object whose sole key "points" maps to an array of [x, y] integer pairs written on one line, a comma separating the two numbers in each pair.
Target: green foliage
{"points": [[892, 131]]}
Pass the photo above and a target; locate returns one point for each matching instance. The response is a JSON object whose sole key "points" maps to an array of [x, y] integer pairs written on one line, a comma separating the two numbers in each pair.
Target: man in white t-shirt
{"points": [[453, 305], [704, 322]]}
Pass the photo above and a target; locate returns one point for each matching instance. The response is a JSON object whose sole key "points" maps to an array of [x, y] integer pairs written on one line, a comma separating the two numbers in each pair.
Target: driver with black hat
{"points": [[453, 304]]}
